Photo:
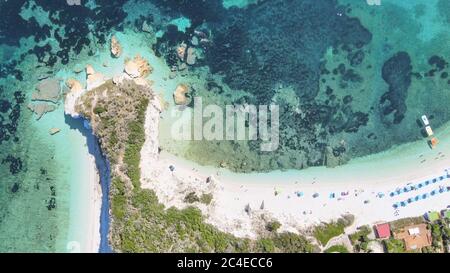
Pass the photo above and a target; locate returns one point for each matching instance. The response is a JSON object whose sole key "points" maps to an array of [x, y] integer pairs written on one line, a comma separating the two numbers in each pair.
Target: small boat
{"points": [[425, 120], [433, 142], [429, 131]]}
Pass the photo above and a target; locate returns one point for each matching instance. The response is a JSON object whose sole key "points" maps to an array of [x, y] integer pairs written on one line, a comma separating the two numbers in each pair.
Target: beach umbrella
{"points": [[403, 204], [316, 195], [434, 180], [420, 185], [392, 194], [171, 168], [395, 206], [417, 198]]}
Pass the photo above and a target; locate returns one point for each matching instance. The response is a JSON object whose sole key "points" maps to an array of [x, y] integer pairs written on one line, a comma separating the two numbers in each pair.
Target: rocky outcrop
{"points": [[191, 56], [54, 131], [94, 79], [181, 51], [137, 67], [76, 90], [40, 109], [47, 90], [179, 96], [116, 48]]}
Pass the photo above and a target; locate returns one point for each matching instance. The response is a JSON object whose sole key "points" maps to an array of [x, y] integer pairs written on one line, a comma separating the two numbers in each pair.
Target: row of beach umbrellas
{"points": [[418, 186], [421, 197]]}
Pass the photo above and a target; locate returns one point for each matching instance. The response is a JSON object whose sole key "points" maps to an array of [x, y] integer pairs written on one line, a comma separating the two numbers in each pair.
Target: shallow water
{"points": [[320, 64]]}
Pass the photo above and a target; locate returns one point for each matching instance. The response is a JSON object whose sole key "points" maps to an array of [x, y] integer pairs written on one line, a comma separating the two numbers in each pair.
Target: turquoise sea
{"points": [[351, 79]]}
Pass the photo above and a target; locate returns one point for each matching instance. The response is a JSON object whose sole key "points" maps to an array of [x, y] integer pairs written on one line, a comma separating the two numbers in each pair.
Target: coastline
{"points": [[363, 179]]}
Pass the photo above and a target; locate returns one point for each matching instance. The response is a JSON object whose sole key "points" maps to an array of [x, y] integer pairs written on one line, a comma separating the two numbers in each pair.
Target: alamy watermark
{"points": [[232, 122]]}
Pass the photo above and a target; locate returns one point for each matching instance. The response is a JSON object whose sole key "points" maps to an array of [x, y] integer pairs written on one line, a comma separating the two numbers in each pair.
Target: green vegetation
{"points": [[288, 242], [326, 232], [337, 249], [273, 226], [99, 109], [118, 200], [360, 239], [206, 198], [433, 216], [191, 198], [397, 225], [440, 232], [395, 246], [139, 222], [266, 245], [134, 144]]}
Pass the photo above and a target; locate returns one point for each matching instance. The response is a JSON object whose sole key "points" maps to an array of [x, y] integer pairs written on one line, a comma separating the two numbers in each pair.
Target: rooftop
{"points": [[383, 231], [415, 236]]}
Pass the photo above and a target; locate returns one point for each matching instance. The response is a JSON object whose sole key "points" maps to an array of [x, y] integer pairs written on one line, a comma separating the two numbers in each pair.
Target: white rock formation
{"points": [[76, 90]]}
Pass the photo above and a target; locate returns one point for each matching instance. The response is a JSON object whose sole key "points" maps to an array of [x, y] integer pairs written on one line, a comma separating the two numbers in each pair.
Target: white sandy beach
{"points": [[95, 202], [364, 179]]}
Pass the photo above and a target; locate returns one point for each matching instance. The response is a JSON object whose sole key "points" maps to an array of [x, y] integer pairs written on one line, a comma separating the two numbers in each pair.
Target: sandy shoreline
{"points": [[95, 202], [363, 181]]}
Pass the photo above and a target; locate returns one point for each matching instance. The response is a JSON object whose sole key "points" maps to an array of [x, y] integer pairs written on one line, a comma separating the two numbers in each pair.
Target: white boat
{"points": [[429, 131], [425, 120]]}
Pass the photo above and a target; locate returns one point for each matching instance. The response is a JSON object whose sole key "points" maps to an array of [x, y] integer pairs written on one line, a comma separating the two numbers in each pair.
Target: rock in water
{"points": [[116, 48], [179, 96], [146, 27], [191, 56], [138, 67], [47, 90], [181, 51], [94, 79], [41, 109], [76, 89], [89, 70], [54, 131], [73, 2]]}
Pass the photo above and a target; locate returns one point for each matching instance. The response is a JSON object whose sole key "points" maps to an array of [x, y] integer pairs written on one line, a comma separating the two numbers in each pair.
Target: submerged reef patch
{"points": [[253, 52], [397, 74]]}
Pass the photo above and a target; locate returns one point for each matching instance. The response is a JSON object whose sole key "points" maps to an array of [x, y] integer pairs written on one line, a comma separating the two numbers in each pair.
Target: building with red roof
{"points": [[383, 231]]}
